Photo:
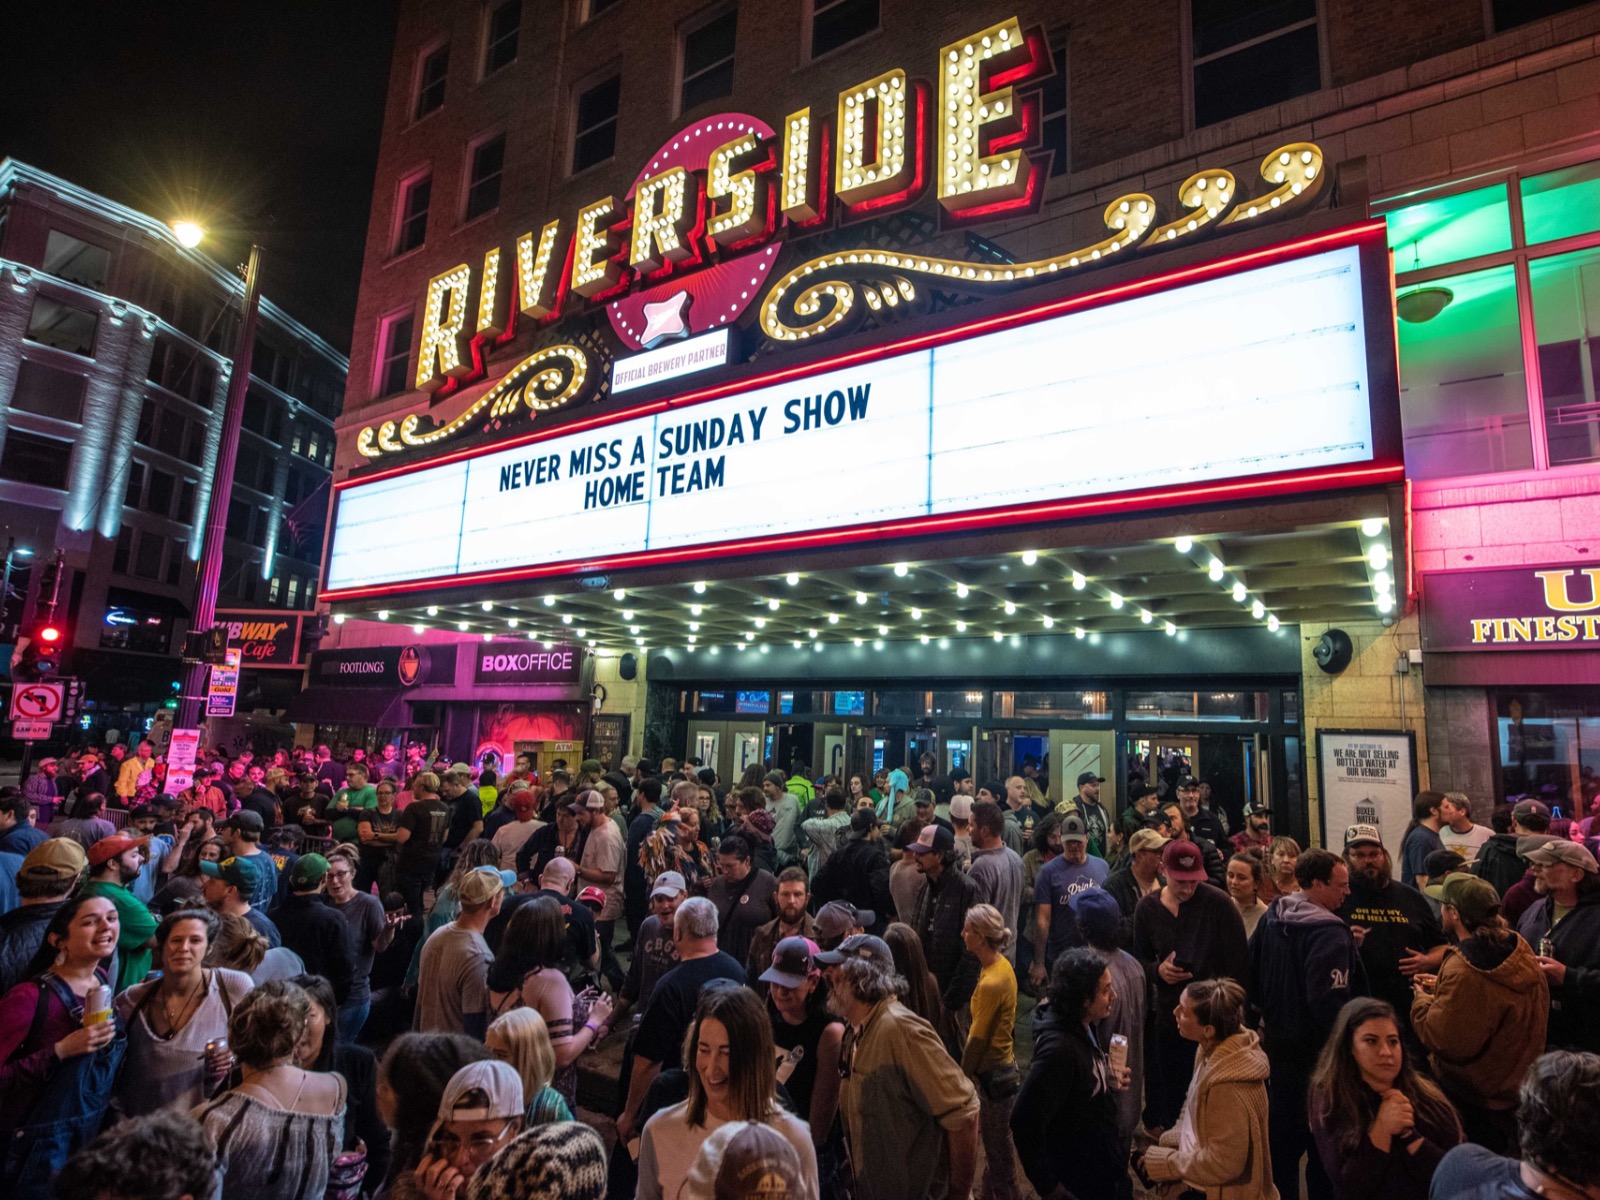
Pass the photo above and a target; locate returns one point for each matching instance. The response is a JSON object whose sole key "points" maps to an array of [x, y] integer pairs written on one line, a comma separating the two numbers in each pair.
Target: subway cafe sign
{"points": [[1553, 607], [1269, 373], [265, 638], [694, 243]]}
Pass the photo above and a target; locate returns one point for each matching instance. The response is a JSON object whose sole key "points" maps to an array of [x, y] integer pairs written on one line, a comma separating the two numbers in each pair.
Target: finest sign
{"points": [[1512, 608], [1262, 372]]}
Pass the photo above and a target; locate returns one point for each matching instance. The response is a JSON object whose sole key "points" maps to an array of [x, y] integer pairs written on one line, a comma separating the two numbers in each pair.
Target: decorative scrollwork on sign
{"points": [[544, 381], [819, 296]]}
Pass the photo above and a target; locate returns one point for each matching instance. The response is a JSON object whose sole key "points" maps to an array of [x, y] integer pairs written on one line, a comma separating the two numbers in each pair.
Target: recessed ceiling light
{"points": [[1029, 557], [1372, 527], [1011, 608], [488, 606], [1116, 600], [1183, 545], [773, 605], [902, 569], [700, 588], [861, 597], [433, 610], [620, 594], [1078, 582], [792, 578], [962, 590], [1215, 569]]}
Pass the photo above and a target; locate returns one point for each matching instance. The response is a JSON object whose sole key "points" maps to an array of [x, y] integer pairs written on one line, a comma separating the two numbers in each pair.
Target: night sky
{"points": [[264, 119]]}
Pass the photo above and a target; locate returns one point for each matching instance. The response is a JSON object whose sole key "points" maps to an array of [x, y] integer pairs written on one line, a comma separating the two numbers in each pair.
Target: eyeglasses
{"points": [[480, 1145]]}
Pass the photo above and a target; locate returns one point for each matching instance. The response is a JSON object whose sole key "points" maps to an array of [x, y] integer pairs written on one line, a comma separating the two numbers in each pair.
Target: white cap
{"points": [[487, 1090], [961, 808]]}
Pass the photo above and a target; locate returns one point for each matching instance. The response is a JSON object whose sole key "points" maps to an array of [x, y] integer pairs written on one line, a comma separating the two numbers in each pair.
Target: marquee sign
{"points": [[1263, 376], [691, 245], [1553, 607]]}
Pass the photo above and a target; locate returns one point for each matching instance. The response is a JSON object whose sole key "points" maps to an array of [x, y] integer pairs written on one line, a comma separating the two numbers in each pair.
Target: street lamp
{"points": [[208, 575]]}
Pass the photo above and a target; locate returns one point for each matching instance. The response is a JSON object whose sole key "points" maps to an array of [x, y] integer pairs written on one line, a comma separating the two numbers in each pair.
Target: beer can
{"points": [[97, 1005], [217, 1044], [1547, 947], [1119, 1052]]}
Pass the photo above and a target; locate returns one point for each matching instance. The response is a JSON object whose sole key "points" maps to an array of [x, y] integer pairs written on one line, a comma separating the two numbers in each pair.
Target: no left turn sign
{"points": [[37, 701]]}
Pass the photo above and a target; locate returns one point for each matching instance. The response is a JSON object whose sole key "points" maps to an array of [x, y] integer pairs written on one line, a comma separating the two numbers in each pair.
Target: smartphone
{"points": [[1183, 964]]}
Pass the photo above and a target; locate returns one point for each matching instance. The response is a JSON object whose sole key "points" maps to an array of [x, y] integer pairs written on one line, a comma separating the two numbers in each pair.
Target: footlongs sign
{"points": [[1261, 385], [691, 244], [1512, 608]]}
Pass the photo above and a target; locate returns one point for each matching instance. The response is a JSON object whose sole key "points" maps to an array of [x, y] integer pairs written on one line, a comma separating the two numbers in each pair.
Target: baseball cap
{"points": [[558, 875], [1073, 829], [1559, 851], [1473, 897], [1530, 808], [55, 858], [934, 839], [960, 775], [106, 849], [236, 872], [923, 798], [1181, 862], [1532, 841], [961, 808], [523, 804], [1258, 810], [245, 821], [1440, 863], [307, 872], [1090, 777], [593, 799], [859, 945], [592, 895], [482, 884], [1188, 781], [486, 1090], [48, 762], [745, 1160], [1147, 839], [835, 920], [791, 963], [669, 883], [1099, 915], [1362, 835]]}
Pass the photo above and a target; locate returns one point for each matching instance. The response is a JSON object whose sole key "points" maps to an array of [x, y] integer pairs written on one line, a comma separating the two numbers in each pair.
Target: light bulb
{"points": [[883, 631], [633, 629], [383, 614], [792, 578], [488, 637], [962, 590], [1049, 622], [1239, 592], [1378, 556], [627, 614], [1029, 557], [1372, 527], [1258, 610], [338, 618], [773, 605], [1214, 569], [833, 618], [620, 594], [416, 629], [433, 610], [812, 634], [696, 609], [1171, 629], [511, 622], [1078, 582], [1116, 600], [462, 626], [961, 626], [1146, 616], [856, 642], [700, 588], [550, 601], [861, 597], [1385, 603], [1011, 609], [1272, 623], [1183, 545], [1382, 582], [761, 622], [902, 569], [488, 606], [923, 639], [998, 636], [916, 614], [694, 626], [1078, 632]]}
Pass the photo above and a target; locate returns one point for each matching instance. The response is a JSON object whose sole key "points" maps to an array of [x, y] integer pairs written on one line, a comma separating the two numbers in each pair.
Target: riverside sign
{"points": [[1261, 375]]}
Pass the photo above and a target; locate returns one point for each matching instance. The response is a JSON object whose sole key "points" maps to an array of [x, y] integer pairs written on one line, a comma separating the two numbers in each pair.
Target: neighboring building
{"points": [[771, 622], [114, 344]]}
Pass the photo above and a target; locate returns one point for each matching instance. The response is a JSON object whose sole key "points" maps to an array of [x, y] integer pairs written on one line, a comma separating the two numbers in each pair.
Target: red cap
{"points": [[106, 849], [1182, 861], [592, 895]]}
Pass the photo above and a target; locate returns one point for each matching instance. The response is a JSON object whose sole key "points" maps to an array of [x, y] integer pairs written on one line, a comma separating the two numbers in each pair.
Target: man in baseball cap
{"points": [[839, 919], [480, 1111], [1497, 860], [114, 864], [1362, 835], [792, 963], [48, 875], [859, 945], [1056, 929], [1564, 927], [941, 911], [228, 887]]}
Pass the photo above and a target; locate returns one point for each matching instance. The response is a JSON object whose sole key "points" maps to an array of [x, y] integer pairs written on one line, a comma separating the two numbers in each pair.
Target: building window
{"points": [[66, 257], [158, 499], [182, 372], [29, 458], [1568, 366], [394, 357], [131, 497], [411, 226], [486, 162], [1508, 14], [500, 35], [1250, 54], [708, 61], [431, 73], [49, 391], [1559, 204], [272, 590], [1053, 116], [64, 326], [292, 596], [595, 135], [170, 434], [836, 23], [147, 556], [119, 556], [239, 514], [175, 551], [596, 7], [186, 502]]}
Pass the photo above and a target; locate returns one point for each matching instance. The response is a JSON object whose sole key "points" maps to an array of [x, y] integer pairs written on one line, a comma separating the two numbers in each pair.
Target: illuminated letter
{"points": [[873, 159], [660, 219], [798, 204], [594, 265], [746, 191], [972, 119], [538, 292], [443, 351], [494, 301], [1556, 598]]}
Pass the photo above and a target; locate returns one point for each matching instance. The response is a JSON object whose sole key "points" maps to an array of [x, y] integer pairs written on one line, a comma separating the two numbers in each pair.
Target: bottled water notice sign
{"points": [[1367, 777]]}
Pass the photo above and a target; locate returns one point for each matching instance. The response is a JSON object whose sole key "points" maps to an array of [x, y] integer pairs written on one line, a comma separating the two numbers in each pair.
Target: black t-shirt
{"points": [[466, 810], [797, 1052], [1397, 918], [671, 1008], [428, 821], [264, 804]]}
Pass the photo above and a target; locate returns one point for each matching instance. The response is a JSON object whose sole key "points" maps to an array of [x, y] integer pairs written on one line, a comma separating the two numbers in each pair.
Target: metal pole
{"points": [[208, 576]]}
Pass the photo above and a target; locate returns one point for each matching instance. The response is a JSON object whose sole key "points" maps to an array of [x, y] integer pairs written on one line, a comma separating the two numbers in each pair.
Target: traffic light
{"points": [[312, 633], [39, 652]]}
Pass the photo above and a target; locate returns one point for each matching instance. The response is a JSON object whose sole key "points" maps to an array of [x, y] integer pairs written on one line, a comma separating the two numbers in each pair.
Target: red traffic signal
{"points": [[49, 634], [39, 654]]}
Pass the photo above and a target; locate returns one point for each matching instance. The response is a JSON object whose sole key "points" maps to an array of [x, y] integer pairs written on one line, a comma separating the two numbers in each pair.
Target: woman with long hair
{"points": [[989, 1058], [173, 1021], [729, 1054], [183, 888], [411, 1079], [53, 1056], [521, 1039], [1219, 1144], [528, 972], [366, 1138], [1380, 1128], [922, 989]]}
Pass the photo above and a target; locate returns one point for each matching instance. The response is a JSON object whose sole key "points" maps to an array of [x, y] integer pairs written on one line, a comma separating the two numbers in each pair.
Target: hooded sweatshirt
{"points": [[1305, 966], [1485, 1021], [1220, 1142]]}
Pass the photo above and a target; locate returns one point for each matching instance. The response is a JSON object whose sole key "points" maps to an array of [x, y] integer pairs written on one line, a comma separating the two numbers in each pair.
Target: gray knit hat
{"points": [[565, 1161]]}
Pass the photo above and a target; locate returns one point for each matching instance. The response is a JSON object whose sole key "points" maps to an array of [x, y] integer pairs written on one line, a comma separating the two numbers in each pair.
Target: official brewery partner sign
{"points": [[1368, 777], [524, 663], [1553, 607], [264, 639]]}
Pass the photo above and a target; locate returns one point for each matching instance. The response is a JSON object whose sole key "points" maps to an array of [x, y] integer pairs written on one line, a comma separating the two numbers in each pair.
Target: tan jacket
{"points": [[1227, 1104], [1485, 1022]]}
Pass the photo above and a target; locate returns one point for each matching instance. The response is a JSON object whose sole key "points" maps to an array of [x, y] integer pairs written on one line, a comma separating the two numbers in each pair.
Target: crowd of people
{"points": [[312, 976]]}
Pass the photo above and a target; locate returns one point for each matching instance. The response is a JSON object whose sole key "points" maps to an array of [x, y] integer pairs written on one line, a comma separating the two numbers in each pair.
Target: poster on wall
{"points": [[1367, 777], [833, 754], [182, 750], [747, 750]]}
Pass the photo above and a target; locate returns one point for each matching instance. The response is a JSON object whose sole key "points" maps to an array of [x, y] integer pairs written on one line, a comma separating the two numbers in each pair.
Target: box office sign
{"points": [[525, 663], [264, 639], [1512, 608]]}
